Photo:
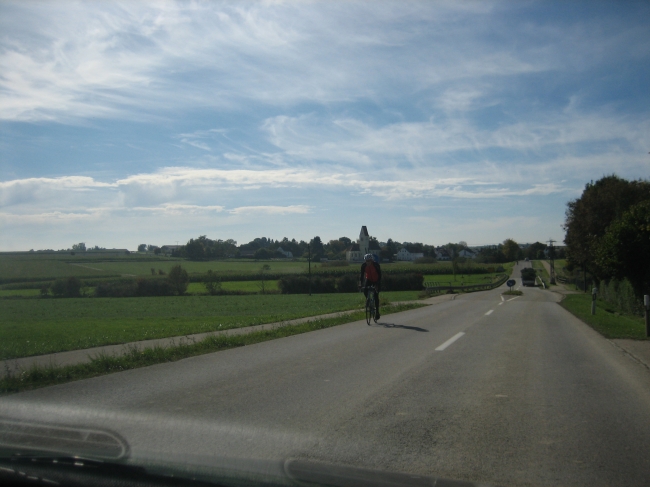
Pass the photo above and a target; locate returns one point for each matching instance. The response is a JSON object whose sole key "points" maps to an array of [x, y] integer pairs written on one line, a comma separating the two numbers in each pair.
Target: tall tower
{"points": [[364, 241]]}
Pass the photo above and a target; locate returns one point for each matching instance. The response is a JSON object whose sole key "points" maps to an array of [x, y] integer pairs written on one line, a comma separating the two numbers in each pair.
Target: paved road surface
{"points": [[525, 395]]}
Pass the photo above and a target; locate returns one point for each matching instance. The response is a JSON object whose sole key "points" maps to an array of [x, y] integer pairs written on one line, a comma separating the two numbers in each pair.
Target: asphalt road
{"points": [[525, 395]]}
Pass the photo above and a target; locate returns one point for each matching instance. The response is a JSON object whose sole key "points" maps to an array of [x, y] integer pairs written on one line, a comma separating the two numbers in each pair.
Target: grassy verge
{"points": [[607, 320], [539, 267], [38, 376]]}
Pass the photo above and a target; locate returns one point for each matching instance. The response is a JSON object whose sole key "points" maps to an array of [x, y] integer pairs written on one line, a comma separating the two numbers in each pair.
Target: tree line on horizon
{"points": [[262, 248]]}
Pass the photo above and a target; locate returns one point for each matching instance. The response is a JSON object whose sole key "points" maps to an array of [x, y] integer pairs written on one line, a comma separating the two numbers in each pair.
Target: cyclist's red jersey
{"points": [[371, 272]]}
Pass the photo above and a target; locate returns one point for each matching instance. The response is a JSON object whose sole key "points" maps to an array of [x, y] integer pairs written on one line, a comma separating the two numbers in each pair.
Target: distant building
{"points": [[405, 255], [286, 253], [442, 254], [467, 253], [356, 251]]}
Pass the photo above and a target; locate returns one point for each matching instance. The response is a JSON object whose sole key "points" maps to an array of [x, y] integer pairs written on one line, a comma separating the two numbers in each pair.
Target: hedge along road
{"points": [[41, 326]]}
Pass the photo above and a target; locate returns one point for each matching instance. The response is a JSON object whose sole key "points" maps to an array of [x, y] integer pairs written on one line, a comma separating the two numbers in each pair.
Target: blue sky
{"points": [[154, 122]]}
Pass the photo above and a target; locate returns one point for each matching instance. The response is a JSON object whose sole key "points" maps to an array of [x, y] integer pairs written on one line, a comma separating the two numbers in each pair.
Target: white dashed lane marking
{"points": [[449, 342]]}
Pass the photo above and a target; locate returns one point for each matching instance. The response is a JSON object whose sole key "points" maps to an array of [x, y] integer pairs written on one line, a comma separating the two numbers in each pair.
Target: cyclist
{"points": [[370, 276]]}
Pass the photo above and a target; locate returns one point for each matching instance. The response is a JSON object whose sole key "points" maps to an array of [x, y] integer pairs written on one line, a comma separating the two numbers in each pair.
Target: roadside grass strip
{"points": [[608, 321], [134, 357]]}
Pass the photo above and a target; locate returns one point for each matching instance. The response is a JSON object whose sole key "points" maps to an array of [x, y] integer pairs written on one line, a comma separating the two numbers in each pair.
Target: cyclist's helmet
{"points": [[367, 257]]}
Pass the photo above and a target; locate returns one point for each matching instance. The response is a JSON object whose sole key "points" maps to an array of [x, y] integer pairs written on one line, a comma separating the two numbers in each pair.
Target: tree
{"points": [[80, 247], [317, 249], [212, 283], [335, 249], [69, 288], [263, 271], [142, 247], [511, 250], [624, 252], [58, 288], [178, 279], [346, 241], [535, 251], [194, 249], [588, 217], [264, 254]]}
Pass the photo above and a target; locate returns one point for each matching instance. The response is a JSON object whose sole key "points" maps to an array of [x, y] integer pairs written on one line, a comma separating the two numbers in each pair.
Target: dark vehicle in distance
{"points": [[528, 276]]}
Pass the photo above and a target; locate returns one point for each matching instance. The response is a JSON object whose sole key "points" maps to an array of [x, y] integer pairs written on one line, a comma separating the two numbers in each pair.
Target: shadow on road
{"points": [[392, 325]]}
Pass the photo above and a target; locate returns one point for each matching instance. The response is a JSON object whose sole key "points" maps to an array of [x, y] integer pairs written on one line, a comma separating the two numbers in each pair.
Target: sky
{"points": [[134, 122]]}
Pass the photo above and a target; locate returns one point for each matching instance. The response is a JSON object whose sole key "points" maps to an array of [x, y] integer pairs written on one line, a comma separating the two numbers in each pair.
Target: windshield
{"points": [[409, 238]]}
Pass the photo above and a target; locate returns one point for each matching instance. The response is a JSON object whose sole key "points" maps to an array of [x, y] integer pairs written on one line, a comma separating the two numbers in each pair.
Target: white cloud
{"points": [[184, 190], [65, 60], [270, 210]]}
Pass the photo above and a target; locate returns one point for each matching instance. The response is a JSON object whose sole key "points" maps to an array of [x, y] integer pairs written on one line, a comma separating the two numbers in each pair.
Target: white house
{"points": [[442, 254], [286, 253], [467, 253], [404, 254]]}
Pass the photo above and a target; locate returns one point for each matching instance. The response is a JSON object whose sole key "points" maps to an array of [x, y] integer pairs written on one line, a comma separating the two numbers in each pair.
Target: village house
{"points": [[467, 253], [442, 254], [286, 253], [405, 255]]}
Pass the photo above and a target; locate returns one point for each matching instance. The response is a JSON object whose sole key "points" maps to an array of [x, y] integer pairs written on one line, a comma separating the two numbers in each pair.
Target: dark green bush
{"points": [[155, 287], [67, 288], [115, 289], [621, 294], [347, 284], [402, 282], [300, 285], [178, 279], [137, 288]]}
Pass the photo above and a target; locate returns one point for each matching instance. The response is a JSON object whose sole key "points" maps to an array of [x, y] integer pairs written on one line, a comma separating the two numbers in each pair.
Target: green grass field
{"points": [[40, 268], [34, 266], [607, 321], [38, 326], [34, 326]]}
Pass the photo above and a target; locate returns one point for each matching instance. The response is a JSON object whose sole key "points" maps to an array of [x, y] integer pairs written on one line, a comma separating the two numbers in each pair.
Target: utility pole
{"points": [[646, 302], [309, 260], [551, 258]]}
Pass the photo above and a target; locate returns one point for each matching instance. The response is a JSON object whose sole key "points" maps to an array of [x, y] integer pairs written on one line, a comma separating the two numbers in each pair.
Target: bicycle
{"points": [[371, 308]]}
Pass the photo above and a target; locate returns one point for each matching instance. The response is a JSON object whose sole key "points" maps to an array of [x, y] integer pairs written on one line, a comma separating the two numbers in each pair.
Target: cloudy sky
{"points": [[437, 121]]}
